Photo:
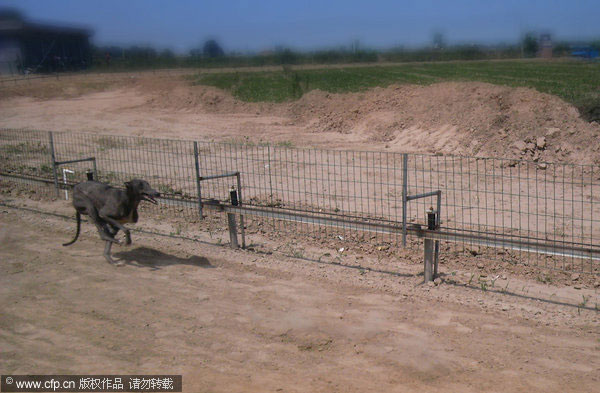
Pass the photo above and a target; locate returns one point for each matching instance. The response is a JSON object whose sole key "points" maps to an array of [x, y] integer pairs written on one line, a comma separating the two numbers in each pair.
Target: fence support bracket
{"points": [[235, 196], [57, 164]]}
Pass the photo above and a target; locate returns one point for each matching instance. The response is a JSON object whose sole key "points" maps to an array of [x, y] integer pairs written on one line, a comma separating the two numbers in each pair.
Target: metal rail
{"points": [[557, 248], [498, 241]]}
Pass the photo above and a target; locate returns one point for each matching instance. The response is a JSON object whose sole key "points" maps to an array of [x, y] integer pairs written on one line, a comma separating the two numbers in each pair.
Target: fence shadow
{"points": [[155, 259]]}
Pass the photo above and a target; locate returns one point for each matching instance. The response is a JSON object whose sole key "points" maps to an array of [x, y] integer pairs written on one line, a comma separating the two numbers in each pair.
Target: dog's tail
{"points": [[78, 216]]}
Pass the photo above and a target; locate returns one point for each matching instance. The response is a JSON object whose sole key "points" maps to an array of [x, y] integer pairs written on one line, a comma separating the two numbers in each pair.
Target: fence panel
{"points": [[555, 204]]}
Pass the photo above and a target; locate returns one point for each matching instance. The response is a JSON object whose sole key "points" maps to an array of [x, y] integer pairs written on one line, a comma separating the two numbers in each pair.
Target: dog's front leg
{"points": [[116, 224], [105, 232], [107, 255], [114, 230]]}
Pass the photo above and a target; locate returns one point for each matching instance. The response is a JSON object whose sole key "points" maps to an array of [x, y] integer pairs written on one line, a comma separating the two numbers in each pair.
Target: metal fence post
{"points": [[404, 195], [429, 255], [429, 248], [53, 157], [438, 221], [198, 188], [270, 176], [239, 190], [95, 170], [232, 230]]}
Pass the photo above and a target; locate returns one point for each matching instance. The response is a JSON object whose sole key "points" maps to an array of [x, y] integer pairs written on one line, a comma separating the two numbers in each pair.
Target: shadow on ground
{"points": [[149, 257]]}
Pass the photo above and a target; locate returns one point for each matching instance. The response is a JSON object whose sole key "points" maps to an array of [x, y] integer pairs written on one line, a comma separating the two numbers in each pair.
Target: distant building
{"points": [[27, 47], [545, 46], [584, 52]]}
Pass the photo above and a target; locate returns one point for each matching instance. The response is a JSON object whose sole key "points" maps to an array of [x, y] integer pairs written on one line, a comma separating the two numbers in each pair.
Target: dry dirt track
{"points": [[234, 321]]}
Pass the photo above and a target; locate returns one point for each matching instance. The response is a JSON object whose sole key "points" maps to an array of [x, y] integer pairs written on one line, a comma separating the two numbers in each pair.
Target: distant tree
{"points": [[167, 54], [212, 49], [287, 56], [530, 45], [196, 52]]}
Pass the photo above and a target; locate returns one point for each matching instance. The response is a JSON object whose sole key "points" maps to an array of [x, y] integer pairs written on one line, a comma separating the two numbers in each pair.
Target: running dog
{"points": [[109, 208]]}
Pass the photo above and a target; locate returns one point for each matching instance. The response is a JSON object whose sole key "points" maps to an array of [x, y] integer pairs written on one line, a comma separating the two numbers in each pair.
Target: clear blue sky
{"points": [[245, 25]]}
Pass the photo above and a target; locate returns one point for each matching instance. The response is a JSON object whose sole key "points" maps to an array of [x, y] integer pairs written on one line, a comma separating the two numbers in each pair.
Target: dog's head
{"points": [[142, 188]]}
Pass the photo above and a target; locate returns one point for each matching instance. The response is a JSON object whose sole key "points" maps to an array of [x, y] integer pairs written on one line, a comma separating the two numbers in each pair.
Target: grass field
{"points": [[574, 81]]}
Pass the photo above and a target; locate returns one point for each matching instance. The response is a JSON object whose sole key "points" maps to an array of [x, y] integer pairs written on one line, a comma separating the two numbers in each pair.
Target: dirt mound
{"points": [[181, 96], [467, 118], [464, 118], [458, 118]]}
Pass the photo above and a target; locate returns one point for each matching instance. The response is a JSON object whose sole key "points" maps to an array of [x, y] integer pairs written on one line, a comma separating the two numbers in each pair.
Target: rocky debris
{"points": [[552, 131], [520, 146], [575, 276], [472, 251], [540, 142]]}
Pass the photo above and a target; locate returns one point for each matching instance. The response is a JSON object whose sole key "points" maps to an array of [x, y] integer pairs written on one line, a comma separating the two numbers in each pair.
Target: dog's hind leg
{"points": [[112, 230], [117, 225], [102, 226]]}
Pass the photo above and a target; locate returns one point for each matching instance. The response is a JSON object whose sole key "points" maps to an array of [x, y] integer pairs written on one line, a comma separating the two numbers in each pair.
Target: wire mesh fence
{"points": [[501, 200]]}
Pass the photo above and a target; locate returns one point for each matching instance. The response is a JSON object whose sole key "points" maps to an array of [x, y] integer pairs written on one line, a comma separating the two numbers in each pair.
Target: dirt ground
{"points": [[258, 321], [240, 321]]}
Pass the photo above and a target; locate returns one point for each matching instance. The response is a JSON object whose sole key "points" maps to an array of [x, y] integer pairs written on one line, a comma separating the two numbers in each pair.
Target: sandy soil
{"points": [[259, 321], [449, 118], [241, 321]]}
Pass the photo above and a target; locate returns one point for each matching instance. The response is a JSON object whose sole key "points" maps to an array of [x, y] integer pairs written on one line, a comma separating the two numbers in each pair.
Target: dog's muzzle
{"points": [[150, 198]]}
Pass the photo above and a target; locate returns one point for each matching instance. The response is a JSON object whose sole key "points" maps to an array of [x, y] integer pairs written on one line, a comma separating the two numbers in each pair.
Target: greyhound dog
{"points": [[109, 208]]}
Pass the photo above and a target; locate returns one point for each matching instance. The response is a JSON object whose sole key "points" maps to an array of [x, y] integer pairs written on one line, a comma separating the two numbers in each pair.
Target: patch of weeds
{"points": [[297, 253], [106, 142], [25, 147], [288, 144], [46, 169], [585, 300], [168, 189], [544, 279], [471, 279], [494, 281], [108, 176]]}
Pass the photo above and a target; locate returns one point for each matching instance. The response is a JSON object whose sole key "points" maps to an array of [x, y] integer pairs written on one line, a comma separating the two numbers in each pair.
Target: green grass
{"points": [[575, 82]]}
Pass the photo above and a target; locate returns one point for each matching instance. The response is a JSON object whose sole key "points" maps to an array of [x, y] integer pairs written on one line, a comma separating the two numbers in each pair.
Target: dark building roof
{"points": [[13, 23]]}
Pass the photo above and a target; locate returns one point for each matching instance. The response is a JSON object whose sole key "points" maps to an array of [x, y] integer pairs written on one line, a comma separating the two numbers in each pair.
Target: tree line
{"points": [[211, 54]]}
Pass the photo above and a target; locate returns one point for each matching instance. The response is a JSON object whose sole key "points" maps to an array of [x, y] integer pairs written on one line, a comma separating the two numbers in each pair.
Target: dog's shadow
{"points": [[155, 259]]}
